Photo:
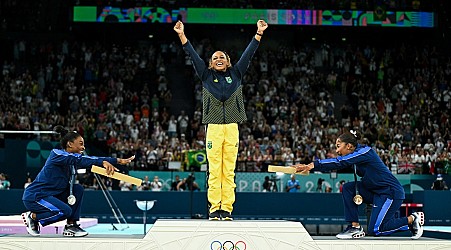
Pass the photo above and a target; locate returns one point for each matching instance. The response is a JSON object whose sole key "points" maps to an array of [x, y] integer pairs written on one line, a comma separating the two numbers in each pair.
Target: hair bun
{"points": [[60, 130]]}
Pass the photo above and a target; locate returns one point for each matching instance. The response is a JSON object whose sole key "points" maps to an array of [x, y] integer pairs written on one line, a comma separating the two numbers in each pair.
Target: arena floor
{"points": [[204, 234]]}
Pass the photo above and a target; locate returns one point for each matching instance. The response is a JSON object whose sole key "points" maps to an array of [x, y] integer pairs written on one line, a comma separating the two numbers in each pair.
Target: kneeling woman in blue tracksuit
{"points": [[53, 196], [378, 186]]}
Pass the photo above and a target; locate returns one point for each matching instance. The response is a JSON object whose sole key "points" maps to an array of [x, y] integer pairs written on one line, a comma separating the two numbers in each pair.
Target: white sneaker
{"points": [[417, 225], [32, 225], [351, 233], [74, 230]]}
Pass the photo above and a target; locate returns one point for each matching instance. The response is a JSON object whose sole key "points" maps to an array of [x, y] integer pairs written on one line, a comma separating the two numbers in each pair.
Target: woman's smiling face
{"points": [[76, 146], [219, 61]]}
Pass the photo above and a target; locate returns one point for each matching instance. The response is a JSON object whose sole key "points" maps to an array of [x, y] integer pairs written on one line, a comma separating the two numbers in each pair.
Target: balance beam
{"points": [[286, 170], [117, 176]]}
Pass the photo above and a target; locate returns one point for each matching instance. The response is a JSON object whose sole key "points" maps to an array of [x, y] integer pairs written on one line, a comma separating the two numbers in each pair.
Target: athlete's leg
{"points": [[230, 153], [383, 221], [351, 209], [214, 141], [49, 210], [77, 191]]}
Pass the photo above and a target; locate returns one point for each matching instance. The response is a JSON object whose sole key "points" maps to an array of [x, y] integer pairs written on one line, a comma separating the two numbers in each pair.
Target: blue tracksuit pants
{"points": [[55, 208], [382, 221]]}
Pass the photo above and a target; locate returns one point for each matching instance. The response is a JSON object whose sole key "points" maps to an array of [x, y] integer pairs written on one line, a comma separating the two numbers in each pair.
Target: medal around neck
{"points": [[358, 199], [71, 199]]}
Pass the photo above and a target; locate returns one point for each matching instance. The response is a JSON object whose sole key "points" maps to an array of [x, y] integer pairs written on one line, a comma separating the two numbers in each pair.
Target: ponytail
{"points": [[66, 136], [351, 137], [60, 130]]}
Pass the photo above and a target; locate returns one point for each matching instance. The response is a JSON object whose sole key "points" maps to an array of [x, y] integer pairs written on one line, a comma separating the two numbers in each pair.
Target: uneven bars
{"points": [[26, 132]]}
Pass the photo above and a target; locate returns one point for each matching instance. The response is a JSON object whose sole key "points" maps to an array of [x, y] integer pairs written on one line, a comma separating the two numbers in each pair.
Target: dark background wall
{"points": [[309, 208]]}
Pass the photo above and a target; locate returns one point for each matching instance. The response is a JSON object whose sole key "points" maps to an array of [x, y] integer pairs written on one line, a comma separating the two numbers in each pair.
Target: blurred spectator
{"points": [[293, 185], [28, 182], [156, 184], [4, 182], [175, 183], [439, 183], [342, 182], [183, 122], [269, 185], [189, 183], [145, 185], [125, 186], [319, 185]]}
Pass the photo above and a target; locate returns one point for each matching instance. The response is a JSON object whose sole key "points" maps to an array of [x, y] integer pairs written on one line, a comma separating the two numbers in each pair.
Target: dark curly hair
{"points": [[350, 137], [66, 136]]}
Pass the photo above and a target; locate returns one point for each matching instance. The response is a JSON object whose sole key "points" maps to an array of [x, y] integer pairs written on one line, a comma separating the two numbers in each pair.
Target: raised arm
{"points": [[245, 59], [198, 63], [261, 27], [180, 29]]}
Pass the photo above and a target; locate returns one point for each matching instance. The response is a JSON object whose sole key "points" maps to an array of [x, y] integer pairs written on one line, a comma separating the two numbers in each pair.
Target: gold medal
{"points": [[71, 200], [358, 199]]}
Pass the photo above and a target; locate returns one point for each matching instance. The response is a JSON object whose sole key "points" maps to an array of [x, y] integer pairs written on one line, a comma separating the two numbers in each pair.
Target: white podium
{"points": [[219, 235], [238, 234]]}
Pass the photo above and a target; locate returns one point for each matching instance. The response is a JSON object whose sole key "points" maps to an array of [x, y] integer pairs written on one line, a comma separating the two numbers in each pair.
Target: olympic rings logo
{"points": [[228, 245]]}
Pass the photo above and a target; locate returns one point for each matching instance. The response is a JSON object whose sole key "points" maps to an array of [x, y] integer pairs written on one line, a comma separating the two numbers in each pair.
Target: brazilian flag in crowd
{"points": [[195, 158]]}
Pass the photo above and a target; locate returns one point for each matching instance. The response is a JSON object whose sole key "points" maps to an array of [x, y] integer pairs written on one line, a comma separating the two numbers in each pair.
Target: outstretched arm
{"points": [[248, 53], [180, 29], [304, 167], [198, 63], [261, 27], [110, 168], [125, 161]]}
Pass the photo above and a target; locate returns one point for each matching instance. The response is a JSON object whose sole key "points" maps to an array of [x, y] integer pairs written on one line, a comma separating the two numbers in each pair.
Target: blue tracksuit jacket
{"points": [[375, 175], [54, 177]]}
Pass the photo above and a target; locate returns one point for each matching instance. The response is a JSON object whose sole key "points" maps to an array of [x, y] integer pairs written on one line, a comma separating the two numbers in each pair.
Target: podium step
{"points": [[207, 235], [238, 234]]}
